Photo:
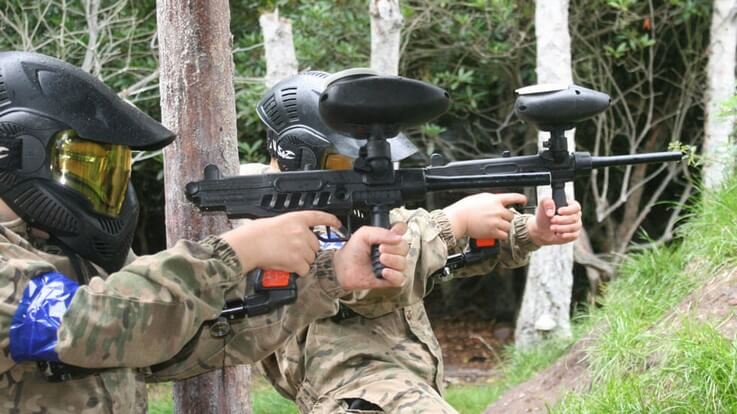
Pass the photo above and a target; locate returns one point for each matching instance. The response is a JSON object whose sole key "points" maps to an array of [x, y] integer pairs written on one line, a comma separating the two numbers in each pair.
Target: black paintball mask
{"points": [[65, 155], [298, 138]]}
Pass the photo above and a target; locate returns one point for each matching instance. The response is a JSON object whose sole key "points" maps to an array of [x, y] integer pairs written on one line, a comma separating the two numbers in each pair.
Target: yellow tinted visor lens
{"points": [[100, 172], [338, 162]]}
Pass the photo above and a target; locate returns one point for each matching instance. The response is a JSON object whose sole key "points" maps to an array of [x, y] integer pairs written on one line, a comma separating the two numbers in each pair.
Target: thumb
{"points": [[399, 228], [511, 198], [548, 205], [318, 218], [378, 235]]}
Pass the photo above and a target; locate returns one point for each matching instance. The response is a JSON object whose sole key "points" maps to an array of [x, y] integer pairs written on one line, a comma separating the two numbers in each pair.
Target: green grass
{"points": [[266, 400], [640, 366]]}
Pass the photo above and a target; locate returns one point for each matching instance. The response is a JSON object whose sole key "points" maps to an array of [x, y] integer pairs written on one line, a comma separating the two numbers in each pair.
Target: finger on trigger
{"points": [[512, 198], [314, 218]]}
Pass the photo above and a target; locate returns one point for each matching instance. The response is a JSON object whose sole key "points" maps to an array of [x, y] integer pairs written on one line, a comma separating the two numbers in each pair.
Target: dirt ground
{"points": [[471, 348]]}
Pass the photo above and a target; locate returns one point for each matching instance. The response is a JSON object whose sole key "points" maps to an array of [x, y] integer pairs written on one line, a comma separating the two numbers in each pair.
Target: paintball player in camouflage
{"points": [[80, 309], [379, 353]]}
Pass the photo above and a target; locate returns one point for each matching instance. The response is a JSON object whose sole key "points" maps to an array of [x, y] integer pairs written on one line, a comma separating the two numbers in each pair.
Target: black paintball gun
{"points": [[554, 109], [366, 107], [373, 108]]}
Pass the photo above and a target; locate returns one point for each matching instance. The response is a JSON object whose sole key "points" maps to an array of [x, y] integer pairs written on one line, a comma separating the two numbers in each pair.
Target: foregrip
{"points": [[559, 195], [379, 218]]}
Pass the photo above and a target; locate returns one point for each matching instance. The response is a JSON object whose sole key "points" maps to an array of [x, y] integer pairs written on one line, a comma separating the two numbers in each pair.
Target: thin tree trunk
{"points": [[719, 152], [629, 223], [386, 28], [545, 310], [281, 61], [198, 103]]}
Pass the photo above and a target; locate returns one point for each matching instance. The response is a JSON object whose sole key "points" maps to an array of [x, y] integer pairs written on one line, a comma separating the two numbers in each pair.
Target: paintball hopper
{"points": [[363, 104], [558, 107]]}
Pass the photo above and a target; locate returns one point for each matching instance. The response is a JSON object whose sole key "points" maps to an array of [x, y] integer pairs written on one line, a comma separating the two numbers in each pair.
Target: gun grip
{"points": [[379, 218], [559, 196]]}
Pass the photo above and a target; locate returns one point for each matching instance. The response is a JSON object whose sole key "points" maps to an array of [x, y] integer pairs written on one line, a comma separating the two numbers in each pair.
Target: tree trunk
{"points": [[198, 104], [719, 152], [281, 61], [386, 28], [546, 303]]}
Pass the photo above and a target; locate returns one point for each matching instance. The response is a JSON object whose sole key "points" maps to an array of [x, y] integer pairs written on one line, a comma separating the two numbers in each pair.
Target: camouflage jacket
{"points": [[387, 355], [140, 316]]}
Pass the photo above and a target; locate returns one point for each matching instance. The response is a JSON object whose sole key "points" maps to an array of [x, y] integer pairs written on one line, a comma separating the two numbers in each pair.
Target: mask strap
{"points": [[10, 154]]}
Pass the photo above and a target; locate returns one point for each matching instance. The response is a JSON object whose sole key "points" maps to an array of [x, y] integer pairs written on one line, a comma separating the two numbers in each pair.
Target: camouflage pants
{"points": [[403, 394]]}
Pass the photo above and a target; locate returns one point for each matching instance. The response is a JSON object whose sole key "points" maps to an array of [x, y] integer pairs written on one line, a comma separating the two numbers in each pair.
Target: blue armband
{"points": [[38, 317], [331, 244]]}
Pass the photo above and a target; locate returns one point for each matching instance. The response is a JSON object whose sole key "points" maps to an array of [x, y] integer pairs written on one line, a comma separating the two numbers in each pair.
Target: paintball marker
{"points": [[367, 107], [554, 109], [373, 108]]}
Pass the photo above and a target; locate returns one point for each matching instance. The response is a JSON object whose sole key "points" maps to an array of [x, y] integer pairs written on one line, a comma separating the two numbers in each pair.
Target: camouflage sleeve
{"points": [[253, 338], [431, 239], [150, 309], [514, 252], [428, 240]]}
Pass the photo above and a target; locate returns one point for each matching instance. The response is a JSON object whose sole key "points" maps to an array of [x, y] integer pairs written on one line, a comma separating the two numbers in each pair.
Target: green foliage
{"points": [[266, 400]]}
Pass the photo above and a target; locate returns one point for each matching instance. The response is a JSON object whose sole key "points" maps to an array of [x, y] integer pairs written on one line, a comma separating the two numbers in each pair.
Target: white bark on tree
{"points": [[198, 104], [281, 61], [545, 311], [386, 28], [719, 151], [91, 62]]}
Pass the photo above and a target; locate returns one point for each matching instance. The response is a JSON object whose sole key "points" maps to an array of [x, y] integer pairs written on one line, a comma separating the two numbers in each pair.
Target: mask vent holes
{"points": [[7, 179], [46, 211], [110, 226], [103, 249], [10, 130], [4, 98], [289, 98], [316, 74], [272, 112]]}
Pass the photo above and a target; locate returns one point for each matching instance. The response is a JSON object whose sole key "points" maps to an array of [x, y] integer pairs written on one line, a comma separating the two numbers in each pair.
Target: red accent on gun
{"points": [[275, 279]]}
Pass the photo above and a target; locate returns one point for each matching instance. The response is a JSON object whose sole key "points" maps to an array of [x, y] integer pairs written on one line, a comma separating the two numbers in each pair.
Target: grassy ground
{"points": [[643, 367]]}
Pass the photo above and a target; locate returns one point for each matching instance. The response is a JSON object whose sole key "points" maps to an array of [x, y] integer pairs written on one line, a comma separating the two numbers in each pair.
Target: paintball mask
{"points": [[297, 136], [65, 155]]}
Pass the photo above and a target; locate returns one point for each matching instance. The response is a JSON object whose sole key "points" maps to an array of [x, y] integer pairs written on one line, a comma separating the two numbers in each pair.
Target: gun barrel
{"points": [[466, 182], [653, 157]]}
